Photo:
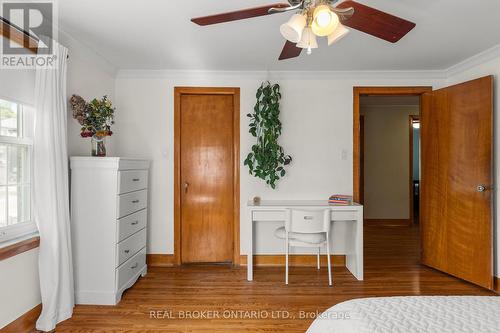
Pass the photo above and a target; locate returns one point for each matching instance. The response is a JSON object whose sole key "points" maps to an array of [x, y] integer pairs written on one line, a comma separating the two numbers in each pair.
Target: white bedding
{"points": [[416, 314]]}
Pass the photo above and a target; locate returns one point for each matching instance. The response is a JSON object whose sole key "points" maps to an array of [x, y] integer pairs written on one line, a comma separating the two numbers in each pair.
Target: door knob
{"points": [[481, 188], [186, 186]]}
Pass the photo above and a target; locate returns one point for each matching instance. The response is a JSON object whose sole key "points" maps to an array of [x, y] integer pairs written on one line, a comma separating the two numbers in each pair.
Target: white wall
{"points": [[387, 158], [89, 76], [316, 112], [473, 70], [19, 286]]}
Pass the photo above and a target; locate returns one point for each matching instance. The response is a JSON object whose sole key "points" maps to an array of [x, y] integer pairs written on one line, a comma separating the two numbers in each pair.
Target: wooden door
{"points": [[457, 176], [206, 177]]}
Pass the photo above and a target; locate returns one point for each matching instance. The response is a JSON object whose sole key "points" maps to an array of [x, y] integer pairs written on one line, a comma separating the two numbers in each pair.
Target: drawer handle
{"points": [[126, 251], [135, 223], [135, 266], [136, 179], [135, 201]]}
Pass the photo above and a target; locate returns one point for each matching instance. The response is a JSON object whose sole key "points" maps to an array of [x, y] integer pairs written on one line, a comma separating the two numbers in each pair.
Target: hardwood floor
{"points": [[391, 268]]}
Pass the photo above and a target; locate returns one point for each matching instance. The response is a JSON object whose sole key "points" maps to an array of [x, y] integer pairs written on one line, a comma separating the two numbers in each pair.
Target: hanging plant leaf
{"points": [[267, 158]]}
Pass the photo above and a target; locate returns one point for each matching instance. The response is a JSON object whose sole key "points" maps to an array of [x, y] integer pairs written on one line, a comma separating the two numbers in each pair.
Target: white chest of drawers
{"points": [[108, 226]]}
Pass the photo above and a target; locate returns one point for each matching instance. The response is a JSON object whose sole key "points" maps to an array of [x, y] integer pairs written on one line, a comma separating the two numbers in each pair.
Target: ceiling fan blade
{"points": [[238, 15], [290, 51], [376, 23]]}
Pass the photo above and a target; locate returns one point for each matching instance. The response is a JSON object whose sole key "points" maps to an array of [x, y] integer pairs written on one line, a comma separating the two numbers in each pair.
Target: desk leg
{"points": [[354, 261], [250, 247], [360, 244]]}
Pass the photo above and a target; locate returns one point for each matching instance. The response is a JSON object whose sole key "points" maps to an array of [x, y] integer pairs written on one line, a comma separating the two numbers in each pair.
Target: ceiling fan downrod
{"points": [[294, 4]]}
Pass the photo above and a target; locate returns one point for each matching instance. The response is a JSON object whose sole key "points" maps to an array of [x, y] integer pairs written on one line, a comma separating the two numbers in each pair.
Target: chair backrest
{"points": [[308, 221]]}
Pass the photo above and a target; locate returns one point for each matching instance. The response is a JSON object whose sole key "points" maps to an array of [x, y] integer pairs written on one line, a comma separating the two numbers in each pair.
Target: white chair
{"points": [[306, 228]]}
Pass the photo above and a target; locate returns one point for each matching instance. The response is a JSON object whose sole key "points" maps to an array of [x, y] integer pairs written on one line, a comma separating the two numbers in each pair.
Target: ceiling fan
{"points": [[320, 18]]}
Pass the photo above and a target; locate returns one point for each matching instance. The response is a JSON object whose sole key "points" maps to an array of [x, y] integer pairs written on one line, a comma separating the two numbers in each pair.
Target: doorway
{"points": [[358, 93], [455, 201], [386, 185], [206, 180]]}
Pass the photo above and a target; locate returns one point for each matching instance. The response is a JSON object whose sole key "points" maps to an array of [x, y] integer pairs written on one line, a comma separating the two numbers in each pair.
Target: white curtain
{"points": [[51, 193]]}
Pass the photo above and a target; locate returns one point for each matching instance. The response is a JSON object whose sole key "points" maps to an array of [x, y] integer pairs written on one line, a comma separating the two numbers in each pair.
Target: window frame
{"points": [[26, 229]]}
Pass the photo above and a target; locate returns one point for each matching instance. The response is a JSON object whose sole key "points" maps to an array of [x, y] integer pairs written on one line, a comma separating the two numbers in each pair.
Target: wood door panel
{"points": [[207, 167], [457, 139]]}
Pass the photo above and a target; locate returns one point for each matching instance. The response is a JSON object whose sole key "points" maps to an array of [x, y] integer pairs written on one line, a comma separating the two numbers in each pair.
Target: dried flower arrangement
{"points": [[95, 117]]}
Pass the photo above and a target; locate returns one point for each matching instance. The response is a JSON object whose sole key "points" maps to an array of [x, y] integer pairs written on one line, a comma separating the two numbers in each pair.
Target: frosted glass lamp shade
{"points": [[338, 34], [324, 21], [308, 40], [292, 30]]}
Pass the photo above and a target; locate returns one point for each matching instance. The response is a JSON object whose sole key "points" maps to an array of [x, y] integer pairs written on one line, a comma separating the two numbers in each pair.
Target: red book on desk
{"points": [[340, 199]]}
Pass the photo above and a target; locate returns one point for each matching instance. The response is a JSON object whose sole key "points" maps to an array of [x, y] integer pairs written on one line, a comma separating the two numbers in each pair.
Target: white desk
{"points": [[346, 234]]}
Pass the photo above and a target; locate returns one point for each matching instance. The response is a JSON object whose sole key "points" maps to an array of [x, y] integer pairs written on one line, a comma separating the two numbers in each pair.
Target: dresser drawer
{"points": [[130, 246], [130, 268], [132, 180], [131, 202], [129, 225]]}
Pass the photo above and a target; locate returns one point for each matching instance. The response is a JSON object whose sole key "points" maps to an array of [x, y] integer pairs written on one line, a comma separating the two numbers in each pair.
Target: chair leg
{"points": [[328, 258], [319, 250], [286, 260]]}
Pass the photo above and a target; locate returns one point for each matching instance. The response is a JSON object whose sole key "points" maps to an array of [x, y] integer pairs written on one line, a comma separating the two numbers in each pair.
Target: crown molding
{"points": [[442, 74], [274, 75], [85, 53], [474, 61]]}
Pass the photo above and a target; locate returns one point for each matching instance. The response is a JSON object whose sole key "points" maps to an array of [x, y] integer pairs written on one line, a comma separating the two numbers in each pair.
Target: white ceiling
{"points": [[158, 34]]}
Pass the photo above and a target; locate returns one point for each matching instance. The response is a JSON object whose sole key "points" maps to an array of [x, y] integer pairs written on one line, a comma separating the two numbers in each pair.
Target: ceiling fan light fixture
{"points": [[338, 34], [308, 40], [324, 21], [292, 30]]}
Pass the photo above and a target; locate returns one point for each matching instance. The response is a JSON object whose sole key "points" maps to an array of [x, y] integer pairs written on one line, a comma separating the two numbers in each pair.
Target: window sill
{"points": [[19, 246]]}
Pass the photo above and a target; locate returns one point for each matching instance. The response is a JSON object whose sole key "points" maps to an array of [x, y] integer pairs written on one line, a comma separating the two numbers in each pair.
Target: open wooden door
{"points": [[457, 178]]}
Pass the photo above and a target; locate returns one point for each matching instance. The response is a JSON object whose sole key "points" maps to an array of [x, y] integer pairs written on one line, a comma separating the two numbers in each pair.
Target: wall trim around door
{"points": [[372, 91], [178, 92]]}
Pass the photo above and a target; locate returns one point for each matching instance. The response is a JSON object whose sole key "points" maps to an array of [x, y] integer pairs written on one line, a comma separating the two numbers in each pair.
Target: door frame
{"points": [[178, 92], [361, 199], [411, 119], [373, 91]]}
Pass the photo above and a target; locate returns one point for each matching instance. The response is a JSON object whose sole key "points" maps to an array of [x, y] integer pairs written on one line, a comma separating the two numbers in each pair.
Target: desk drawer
{"points": [[130, 246], [129, 225], [132, 180], [131, 202], [279, 215], [339, 215], [130, 268], [269, 215]]}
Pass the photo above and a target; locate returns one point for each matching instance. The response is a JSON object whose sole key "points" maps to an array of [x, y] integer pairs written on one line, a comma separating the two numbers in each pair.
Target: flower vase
{"points": [[98, 147]]}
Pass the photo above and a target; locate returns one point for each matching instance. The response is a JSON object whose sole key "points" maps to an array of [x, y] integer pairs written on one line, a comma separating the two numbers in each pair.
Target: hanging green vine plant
{"points": [[267, 159]]}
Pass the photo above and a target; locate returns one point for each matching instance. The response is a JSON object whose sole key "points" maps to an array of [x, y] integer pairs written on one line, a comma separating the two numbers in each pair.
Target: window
{"points": [[15, 170]]}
